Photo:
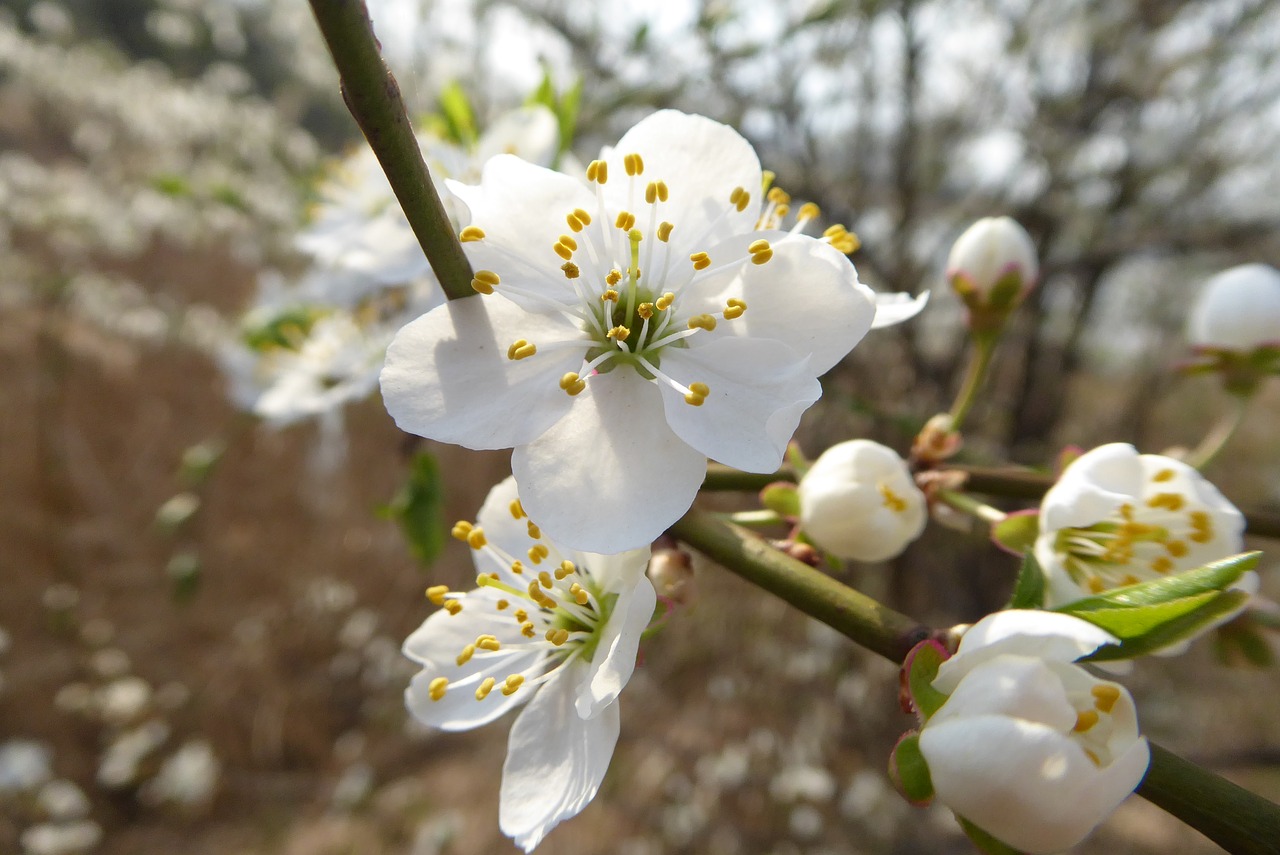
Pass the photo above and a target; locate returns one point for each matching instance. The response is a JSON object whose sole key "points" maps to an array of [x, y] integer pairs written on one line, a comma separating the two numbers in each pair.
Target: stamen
{"points": [[619, 333], [705, 322], [537, 552], [557, 636], [527, 630], [563, 251], [633, 164], [488, 642], [892, 500], [502, 605], [517, 509], [436, 594], [664, 302], [471, 233], [613, 277], [476, 539], [461, 529], [760, 251], [534, 531], [574, 223], [734, 308], [664, 231], [484, 280], [517, 567], [486, 686], [520, 615], [663, 192], [597, 172], [579, 594], [512, 683], [521, 349], [697, 394], [544, 579], [625, 221], [437, 688], [566, 568], [610, 295], [842, 239], [1085, 720], [452, 606], [1163, 475], [645, 311], [465, 656], [739, 198], [572, 384], [701, 261], [1169, 501], [808, 211], [582, 216], [1105, 696]]}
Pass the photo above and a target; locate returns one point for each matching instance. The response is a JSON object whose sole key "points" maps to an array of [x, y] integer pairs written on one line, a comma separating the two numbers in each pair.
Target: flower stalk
{"points": [[1220, 434], [984, 347], [373, 96]]}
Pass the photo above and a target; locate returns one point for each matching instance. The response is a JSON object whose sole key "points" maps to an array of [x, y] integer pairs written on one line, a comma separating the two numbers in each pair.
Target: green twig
{"points": [[373, 97], [1230, 816], [984, 347], [968, 504], [1221, 432], [721, 478]]}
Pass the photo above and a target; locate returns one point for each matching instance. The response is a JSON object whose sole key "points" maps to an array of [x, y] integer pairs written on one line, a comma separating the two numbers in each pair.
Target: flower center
{"points": [[1136, 543], [560, 611], [1094, 723]]}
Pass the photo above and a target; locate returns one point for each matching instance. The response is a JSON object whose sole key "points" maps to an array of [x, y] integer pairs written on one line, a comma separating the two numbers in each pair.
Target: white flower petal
{"points": [[1047, 635], [531, 133], [1093, 486], [615, 657], [508, 534], [448, 378], [701, 161], [610, 475], [1018, 686], [759, 390], [895, 308], [1025, 783], [555, 760]]}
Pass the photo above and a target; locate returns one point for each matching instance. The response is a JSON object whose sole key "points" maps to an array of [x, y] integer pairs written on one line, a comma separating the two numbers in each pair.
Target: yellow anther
{"points": [[1162, 565], [452, 606], [892, 500], [484, 280], [701, 261], [512, 683], [609, 295], [1163, 475], [571, 270], [734, 308], [663, 192], [778, 196], [1130, 579], [633, 164], [527, 630], [502, 605], [1085, 720], [651, 193], [533, 530], [544, 578], [579, 594], [1176, 548], [538, 552], [1169, 501], [781, 211], [520, 615], [517, 567], [563, 251], [566, 568], [488, 642], [625, 220], [808, 211], [476, 540], [582, 216], [842, 239], [664, 231], [461, 529], [565, 240], [486, 686], [1096, 585], [664, 302], [437, 687], [705, 322], [598, 172], [758, 246], [645, 311], [762, 257], [436, 594], [557, 636], [517, 509], [574, 223], [619, 333], [471, 233], [1105, 696], [465, 656], [521, 349], [697, 394], [613, 277], [572, 384], [1093, 757], [739, 198]]}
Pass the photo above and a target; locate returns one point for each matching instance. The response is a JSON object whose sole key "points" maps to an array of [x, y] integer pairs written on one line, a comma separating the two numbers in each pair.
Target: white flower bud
{"points": [[859, 501], [993, 264], [1028, 746], [1238, 310]]}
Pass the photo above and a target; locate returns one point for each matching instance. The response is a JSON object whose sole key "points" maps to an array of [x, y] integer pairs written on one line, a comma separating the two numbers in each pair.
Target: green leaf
{"points": [[459, 119], [1182, 627], [922, 668], [1028, 593], [567, 114], [1211, 577], [909, 771], [1017, 532], [419, 508], [985, 841], [782, 498]]}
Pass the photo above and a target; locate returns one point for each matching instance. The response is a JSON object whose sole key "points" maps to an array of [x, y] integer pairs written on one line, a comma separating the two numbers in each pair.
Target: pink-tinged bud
{"points": [[1238, 310], [993, 265]]}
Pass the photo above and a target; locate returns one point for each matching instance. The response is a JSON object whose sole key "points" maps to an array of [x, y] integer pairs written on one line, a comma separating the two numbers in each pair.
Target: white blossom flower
{"points": [[1028, 746], [994, 261], [1238, 310], [634, 326], [1116, 517], [858, 501], [556, 629]]}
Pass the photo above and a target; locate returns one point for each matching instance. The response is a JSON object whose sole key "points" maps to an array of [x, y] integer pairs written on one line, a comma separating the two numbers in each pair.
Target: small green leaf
{"points": [[183, 570], [567, 114], [1185, 626], [909, 770], [419, 508], [1211, 577], [1028, 593], [922, 668], [199, 460], [985, 841], [459, 119], [782, 498]]}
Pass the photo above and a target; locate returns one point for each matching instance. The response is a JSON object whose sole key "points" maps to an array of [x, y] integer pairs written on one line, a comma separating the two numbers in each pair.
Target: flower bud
{"points": [[1238, 310], [858, 501], [992, 266], [1029, 746]]}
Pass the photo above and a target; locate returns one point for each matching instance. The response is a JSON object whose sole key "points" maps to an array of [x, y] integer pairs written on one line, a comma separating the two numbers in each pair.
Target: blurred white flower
{"points": [[613, 389], [24, 765], [62, 838], [1116, 517], [555, 629], [1029, 746], [1237, 310], [993, 264], [188, 778], [858, 501]]}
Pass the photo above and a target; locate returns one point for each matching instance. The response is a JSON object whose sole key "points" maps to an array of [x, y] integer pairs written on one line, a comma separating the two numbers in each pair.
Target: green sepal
{"points": [[1162, 625], [1017, 532], [1006, 292], [1216, 576], [909, 771], [922, 669], [419, 509], [984, 841], [782, 498], [796, 460], [1028, 591], [459, 120]]}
